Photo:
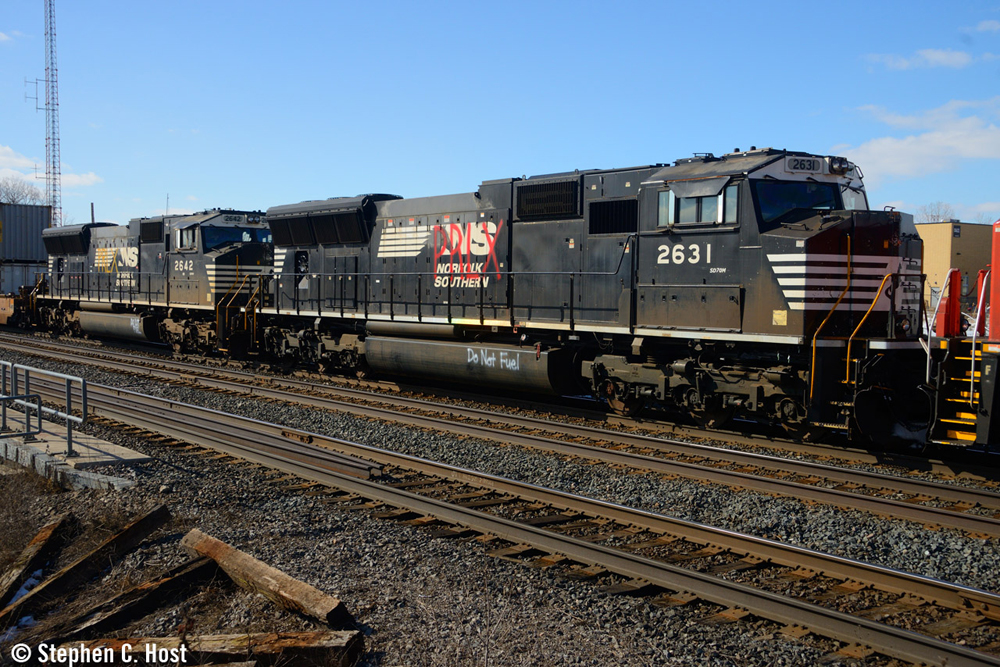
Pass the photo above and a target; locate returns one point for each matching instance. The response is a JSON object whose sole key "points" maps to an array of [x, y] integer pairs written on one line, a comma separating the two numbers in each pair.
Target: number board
{"points": [[812, 165]]}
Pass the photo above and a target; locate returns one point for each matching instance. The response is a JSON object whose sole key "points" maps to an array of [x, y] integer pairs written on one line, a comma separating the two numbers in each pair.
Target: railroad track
{"points": [[570, 409], [976, 511], [871, 608]]}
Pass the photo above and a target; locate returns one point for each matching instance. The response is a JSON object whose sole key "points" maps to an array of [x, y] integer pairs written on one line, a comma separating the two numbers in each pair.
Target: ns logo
{"points": [[112, 260]]}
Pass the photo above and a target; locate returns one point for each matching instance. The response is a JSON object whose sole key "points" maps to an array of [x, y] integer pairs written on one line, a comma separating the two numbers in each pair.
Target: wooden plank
{"points": [[137, 601], [270, 582], [33, 558], [331, 647], [88, 565]]}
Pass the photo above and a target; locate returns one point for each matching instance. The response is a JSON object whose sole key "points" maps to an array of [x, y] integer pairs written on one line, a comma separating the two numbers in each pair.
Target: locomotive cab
{"points": [[766, 291], [214, 254], [214, 267]]}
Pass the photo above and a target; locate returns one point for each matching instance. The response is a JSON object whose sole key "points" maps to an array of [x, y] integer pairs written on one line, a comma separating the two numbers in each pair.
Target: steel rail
{"points": [[889, 640], [181, 420], [929, 515], [196, 426], [957, 494], [200, 371]]}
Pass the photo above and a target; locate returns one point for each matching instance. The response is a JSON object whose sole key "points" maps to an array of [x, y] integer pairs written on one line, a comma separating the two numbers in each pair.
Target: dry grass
{"points": [[19, 490]]}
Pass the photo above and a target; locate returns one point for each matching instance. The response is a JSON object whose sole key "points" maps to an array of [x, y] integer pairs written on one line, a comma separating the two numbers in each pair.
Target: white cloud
{"points": [[941, 139], [77, 180], [191, 198], [988, 26], [11, 159], [923, 58], [14, 164], [4, 37], [987, 207]]}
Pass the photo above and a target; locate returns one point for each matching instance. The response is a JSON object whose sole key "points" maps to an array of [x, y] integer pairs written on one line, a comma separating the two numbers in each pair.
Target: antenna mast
{"points": [[53, 185]]}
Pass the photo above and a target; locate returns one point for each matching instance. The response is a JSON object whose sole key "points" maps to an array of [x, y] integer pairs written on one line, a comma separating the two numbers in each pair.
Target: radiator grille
{"points": [[151, 232], [548, 200], [620, 216]]}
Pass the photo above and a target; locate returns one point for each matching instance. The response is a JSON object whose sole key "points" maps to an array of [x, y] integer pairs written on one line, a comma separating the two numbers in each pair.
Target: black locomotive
{"points": [[756, 286], [163, 279]]}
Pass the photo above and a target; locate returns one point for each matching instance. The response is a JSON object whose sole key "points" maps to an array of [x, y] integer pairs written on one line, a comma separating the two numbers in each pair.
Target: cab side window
{"points": [[186, 238], [709, 210]]}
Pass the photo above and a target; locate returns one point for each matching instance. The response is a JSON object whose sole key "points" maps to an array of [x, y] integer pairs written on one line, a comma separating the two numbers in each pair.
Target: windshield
{"points": [[216, 237], [854, 200], [777, 198]]}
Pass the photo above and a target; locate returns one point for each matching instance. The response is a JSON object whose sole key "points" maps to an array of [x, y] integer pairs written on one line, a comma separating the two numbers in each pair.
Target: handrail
{"points": [[253, 303], [7, 367], [33, 297], [222, 305], [87, 285], [451, 282], [933, 323], [878, 295], [812, 369], [975, 332]]}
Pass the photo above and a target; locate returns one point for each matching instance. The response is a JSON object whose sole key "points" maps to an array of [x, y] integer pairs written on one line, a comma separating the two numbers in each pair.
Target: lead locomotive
{"points": [[753, 286]]}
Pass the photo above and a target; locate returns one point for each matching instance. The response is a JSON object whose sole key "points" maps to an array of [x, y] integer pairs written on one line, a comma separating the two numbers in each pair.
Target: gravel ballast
{"points": [[447, 601]]}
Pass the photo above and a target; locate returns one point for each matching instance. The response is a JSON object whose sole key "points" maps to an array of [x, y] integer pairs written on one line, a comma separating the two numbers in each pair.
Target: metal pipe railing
{"points": [[847, 288], [14, 373], [878, 295], [933, 323], [975, 333]]}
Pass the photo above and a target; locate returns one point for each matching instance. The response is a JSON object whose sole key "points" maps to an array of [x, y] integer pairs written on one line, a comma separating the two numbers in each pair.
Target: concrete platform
{"points": [[46, 454]]}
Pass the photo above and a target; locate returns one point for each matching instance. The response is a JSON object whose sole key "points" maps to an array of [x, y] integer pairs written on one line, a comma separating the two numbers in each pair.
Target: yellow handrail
{"points": [[252, 303], [218, 320], [850, 340], [812, 370]]}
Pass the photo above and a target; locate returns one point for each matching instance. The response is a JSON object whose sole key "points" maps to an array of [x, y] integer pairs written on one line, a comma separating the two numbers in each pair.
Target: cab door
{"points": [[184, 264], [688, 269]]}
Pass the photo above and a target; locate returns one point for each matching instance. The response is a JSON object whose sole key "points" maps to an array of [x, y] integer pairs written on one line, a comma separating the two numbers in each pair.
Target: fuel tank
{"points": [[502, 366], [129, 326]]}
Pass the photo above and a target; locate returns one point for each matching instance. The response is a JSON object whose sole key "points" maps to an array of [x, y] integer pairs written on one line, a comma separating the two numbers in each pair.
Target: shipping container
{"points": [[21, 228], [14, 275]]}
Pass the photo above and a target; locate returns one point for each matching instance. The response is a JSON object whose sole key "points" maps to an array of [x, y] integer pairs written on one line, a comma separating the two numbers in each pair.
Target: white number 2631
{"points": [[679, 253]]}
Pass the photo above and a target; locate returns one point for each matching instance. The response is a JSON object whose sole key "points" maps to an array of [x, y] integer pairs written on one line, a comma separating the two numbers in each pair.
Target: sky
{"points": [[250, 104]]}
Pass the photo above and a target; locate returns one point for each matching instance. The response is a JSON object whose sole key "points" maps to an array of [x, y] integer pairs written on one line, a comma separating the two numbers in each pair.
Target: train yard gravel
{"points": [[435, 602]]}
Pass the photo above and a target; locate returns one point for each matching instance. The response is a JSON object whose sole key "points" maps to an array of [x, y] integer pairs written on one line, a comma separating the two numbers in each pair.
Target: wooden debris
{"points": [[32, 558], [272, 583], [88, 565], [137, 601], [330, 647]]}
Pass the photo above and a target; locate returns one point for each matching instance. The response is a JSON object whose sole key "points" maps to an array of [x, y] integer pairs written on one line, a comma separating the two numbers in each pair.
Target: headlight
{"points": [[904, 325], [840, 165]]}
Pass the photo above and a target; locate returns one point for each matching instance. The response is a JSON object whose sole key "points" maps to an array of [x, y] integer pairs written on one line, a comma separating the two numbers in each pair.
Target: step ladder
{"points": [[958, 392]]}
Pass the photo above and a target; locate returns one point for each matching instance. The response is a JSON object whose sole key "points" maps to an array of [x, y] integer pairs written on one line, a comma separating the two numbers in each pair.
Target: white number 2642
{"points": [[679, 253]]}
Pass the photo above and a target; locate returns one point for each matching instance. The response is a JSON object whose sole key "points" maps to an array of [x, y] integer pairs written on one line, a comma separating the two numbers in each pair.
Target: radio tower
{"points": [[53, 187]]}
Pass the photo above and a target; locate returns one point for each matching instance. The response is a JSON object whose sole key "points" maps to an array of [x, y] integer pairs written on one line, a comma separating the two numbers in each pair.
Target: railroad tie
{"points": [[726, 616], [632, 588]]}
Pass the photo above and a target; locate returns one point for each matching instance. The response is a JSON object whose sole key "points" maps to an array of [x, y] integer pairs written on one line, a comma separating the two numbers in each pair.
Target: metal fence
{"points": [[15, 390]]}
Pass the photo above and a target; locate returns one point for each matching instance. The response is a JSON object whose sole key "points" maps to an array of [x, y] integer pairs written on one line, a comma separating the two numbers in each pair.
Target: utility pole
{"points": [[53, 168]]}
